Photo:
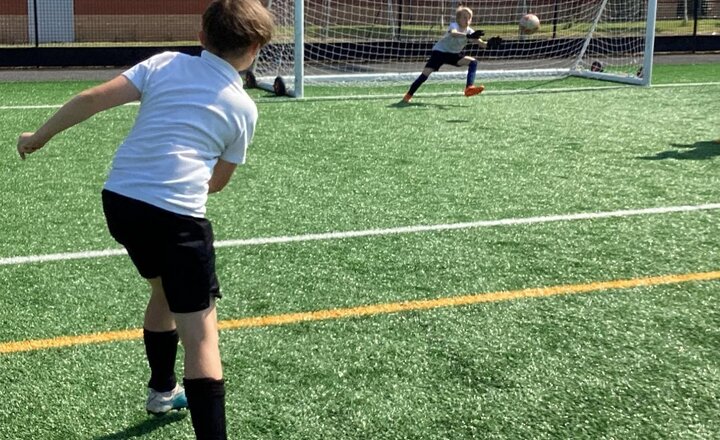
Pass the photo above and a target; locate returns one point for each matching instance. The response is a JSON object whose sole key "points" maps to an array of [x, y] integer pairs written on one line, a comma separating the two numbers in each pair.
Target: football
{"points": [[529, 24]]}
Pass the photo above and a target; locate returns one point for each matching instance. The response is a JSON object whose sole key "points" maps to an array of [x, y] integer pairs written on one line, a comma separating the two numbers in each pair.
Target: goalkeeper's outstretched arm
{"points": [[494, 43], [482, 43], [476, 35]]}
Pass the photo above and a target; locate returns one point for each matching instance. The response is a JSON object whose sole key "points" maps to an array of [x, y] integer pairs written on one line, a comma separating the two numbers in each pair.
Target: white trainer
{"points": [[161, 403]]}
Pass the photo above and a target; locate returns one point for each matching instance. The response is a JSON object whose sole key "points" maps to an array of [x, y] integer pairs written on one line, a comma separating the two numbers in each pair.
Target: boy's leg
{"points": [[472, 69], [158, 317], [470, 88], [161, 342], [204, 383], [424, 75]]}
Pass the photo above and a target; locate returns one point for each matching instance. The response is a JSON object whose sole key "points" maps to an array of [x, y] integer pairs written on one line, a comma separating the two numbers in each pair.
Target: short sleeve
{"points": [[139, 73]]}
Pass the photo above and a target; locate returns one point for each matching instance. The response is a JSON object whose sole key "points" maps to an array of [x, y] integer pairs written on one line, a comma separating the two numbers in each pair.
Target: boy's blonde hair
{"points": [[463, 10], [232, 26]]}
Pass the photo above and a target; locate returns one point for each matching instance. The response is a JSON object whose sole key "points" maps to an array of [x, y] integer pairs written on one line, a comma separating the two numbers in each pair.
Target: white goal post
{"points": [[341, 41]]}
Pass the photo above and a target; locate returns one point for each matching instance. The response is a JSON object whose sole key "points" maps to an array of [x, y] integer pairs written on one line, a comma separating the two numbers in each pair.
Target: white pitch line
{"points": [[380, 232], [60, 257], [49, 106], [427, 95]]}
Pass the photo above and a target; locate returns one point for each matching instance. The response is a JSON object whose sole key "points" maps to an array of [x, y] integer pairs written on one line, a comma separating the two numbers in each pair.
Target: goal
{"points": [[373, 41]]}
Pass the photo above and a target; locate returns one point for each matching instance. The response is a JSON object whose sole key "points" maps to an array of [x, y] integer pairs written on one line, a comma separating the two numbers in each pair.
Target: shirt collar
{"points": [[221, 65]]}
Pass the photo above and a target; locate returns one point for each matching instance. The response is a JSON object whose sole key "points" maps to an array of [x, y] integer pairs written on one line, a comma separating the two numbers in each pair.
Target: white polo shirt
{"points": [[193, 111], [451, 44]]}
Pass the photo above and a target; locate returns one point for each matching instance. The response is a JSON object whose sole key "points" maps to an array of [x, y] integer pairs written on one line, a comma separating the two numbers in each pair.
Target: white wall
{"points": [[56, 21]]}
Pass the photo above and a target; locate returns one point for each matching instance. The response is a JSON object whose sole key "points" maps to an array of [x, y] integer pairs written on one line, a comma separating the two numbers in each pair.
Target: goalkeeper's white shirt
{"points": [[193, 111], [451, 44]]}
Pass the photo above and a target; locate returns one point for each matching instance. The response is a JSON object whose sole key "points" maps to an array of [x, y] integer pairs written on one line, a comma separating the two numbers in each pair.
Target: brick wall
{"points": [[179, 20]]}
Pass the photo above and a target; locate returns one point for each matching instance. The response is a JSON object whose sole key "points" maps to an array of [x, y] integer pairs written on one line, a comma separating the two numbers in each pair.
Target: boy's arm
{"points": [[476, 37], [481, 42], [115, 92], [221, 175], [478, 40]]}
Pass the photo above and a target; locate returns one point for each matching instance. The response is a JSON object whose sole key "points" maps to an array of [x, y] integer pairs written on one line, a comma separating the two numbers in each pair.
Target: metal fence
{"points": [[107, 23]]}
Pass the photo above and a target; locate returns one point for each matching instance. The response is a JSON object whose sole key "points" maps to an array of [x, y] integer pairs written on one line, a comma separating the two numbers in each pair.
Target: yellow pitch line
{"points": [[67, 341], [376, 309]]}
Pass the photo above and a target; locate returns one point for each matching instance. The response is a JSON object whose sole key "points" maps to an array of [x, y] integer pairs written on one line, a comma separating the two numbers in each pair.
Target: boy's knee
{"points": [[197, 327]]}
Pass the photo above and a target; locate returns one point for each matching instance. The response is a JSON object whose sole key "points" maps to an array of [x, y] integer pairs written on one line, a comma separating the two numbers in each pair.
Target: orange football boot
{"points": [[474, 90]]}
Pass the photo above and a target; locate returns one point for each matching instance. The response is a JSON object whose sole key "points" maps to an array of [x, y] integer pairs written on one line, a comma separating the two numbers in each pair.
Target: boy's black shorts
{"points": [[438, 58], [177, 248]]}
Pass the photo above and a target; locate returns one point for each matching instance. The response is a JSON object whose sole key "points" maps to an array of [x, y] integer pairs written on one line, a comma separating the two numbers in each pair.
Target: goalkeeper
{"points": [[449, 50]]}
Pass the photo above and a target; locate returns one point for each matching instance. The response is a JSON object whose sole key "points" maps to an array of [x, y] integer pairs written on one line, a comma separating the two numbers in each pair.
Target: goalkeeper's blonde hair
{"points": [[462, 9]]}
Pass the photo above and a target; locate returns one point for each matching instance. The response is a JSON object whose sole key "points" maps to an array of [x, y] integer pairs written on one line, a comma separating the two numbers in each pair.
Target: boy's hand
{"points": [[27, 144], [494, 43], [476, 35]]}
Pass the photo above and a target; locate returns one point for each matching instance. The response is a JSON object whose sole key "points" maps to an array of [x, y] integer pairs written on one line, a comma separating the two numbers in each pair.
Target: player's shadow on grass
{"points": [[145, 427], [701, 150]]}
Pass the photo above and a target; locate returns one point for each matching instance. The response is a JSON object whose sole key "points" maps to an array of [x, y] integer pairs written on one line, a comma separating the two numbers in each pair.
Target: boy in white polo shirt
{"points": [[192, 130]]}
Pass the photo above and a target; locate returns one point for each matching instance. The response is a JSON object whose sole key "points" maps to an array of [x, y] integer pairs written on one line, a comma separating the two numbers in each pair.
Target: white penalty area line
{"points": [[530, 91], [380, 232]]}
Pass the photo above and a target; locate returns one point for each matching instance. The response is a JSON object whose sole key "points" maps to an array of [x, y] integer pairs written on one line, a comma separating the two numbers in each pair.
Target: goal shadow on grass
{"points": [[414, 104], [145, 427], [701, 150], [549, 82]]}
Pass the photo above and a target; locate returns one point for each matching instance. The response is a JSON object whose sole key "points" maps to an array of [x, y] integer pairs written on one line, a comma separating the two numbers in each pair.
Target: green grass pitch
{"points": [[636, 362]]}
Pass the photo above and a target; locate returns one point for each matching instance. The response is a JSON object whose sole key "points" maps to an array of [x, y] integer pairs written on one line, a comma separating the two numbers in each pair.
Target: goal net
{"points": [[338, 41]]}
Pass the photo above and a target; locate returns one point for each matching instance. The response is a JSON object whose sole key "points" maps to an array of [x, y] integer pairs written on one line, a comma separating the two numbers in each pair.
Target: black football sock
{"points": [[206, 401], [161, 350], [416, 85]]}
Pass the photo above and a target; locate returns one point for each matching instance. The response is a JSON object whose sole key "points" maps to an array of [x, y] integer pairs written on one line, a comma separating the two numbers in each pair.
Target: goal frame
{"points": [[298, 77]]}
